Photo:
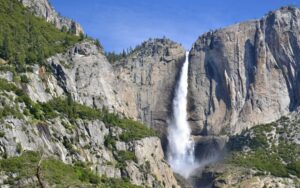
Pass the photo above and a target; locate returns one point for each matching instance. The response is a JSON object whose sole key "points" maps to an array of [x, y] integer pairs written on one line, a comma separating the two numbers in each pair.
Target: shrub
{"points": [[24, 79], [25, 165], [133, 130], [294, 168], [261, 160], [10, 111], [117, 183], [110, 142], [19, 148], [123, 156], [57, 173]]}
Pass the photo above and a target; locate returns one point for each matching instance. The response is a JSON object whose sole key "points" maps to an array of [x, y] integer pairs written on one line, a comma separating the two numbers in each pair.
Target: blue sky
{"points": [[119, 24]]}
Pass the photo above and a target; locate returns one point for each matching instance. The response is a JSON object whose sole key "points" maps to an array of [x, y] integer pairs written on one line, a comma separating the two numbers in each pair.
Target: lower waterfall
{"points": [[181, 146]]}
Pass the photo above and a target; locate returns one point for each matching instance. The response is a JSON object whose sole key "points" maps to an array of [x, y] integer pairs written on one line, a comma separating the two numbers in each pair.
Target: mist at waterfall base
{"points": [[181, 146]]}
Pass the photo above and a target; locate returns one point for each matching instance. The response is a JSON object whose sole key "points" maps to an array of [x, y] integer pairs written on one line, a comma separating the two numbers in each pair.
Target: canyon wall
{"points": [[245, 74], [151, 72]]}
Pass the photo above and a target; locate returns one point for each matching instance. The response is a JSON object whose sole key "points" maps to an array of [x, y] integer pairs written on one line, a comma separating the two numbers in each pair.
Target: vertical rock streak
{"points": [[181, 146]]}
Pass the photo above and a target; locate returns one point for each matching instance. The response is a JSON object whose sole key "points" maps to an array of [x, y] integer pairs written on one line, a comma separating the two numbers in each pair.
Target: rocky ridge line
{"points": [[43, 9]]}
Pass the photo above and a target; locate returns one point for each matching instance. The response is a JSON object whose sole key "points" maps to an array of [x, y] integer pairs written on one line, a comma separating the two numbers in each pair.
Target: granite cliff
{"points": [[43, 9], [150, 71], [245, 74], [139, 86]]}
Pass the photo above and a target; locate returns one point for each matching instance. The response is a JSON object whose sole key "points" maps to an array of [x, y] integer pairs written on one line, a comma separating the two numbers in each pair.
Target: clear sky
{"points": [[119, 24]]}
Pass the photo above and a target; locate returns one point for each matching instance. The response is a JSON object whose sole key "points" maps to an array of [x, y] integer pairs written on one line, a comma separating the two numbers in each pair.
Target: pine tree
{"points": [[81, 36], [123, 53], [6, 48], [98, 44]]}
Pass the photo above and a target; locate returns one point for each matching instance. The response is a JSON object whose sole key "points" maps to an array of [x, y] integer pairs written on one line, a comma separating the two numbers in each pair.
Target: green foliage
{"points": [[56, 173], [64, 29], [288, 152], [25, 165], [50, 109], [70, 109], [123, 156], [81, 36], [110, 142], [19, 148], [26, 39], [33, 108], [260, 139], [4, 85], [261, 160], [116, 183], [113, 56], [126, 156], [67, 143], [24, 79], [294, 168], [2, 134], [279, 159], [10, 111], [8, 68], [66, 107], [98, 44], [133, 130]]}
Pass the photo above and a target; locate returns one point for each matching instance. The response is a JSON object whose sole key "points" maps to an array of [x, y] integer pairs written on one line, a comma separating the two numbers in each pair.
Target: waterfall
{"points": [[181, 145]]}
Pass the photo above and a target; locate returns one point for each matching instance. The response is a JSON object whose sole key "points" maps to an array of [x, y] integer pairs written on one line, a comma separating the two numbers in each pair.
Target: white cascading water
{"points": [[181, 146]]}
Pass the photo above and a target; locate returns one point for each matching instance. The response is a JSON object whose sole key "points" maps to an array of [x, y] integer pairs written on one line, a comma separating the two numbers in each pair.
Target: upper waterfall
{"points": [[181, 146]]}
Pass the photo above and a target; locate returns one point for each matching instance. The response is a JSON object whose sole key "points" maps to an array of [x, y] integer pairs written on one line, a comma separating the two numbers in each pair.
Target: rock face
{"points": [[43, 9], [84, 141], [86, 144], [140, 86], [84, 72], [151, 71], [150, 156], [245, 74]]}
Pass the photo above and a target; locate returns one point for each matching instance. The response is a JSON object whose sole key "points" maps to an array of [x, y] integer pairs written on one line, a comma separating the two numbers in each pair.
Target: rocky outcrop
{"points": [[139, 86], [43, 9], [84, 141], [42, 86], [226, 176], [245, 74], [151, 71], [150, 157], [84, 72]]}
